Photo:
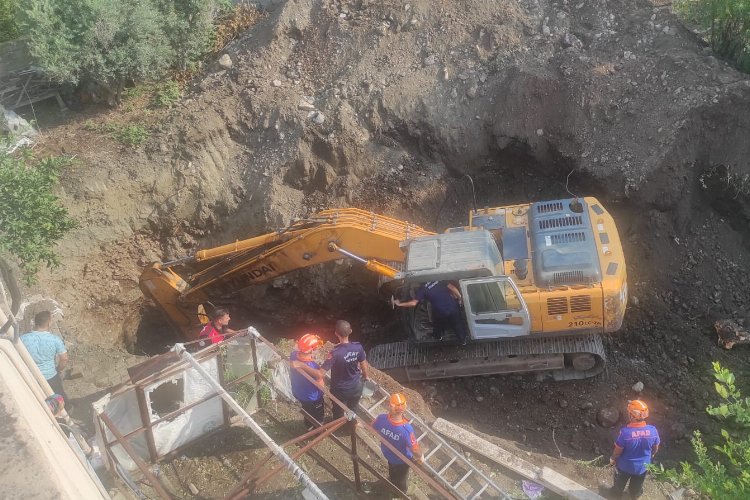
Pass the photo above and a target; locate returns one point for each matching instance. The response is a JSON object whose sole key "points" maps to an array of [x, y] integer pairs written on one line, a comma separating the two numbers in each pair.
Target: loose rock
{"points": [[608, 417], [225, 62]]}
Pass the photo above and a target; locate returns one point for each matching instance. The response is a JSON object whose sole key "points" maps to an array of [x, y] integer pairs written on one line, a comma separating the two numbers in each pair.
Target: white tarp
{"points": [[123, 410], [195, 422], [170, 434]]}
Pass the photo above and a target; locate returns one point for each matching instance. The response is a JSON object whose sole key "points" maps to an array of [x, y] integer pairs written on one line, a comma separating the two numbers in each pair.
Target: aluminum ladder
{"points": [[448, 465]]}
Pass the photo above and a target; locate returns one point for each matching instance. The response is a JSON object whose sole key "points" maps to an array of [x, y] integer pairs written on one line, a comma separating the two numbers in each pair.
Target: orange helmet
{"points": [[637, 410], [398, 401], [308, 343]]}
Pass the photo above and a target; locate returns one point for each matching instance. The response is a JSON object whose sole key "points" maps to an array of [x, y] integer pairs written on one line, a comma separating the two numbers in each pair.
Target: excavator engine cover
{"points": [[563, 242]]}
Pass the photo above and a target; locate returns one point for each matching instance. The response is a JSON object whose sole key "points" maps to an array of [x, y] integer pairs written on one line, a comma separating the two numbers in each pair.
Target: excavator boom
{"points": [[180, 286]]}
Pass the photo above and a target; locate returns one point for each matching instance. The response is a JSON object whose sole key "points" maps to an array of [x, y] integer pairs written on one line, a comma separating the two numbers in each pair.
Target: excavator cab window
{"points": [[492, 297]]}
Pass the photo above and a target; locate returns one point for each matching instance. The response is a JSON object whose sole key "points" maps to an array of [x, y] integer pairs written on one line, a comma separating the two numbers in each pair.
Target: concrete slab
{"points": [[543, 475]]}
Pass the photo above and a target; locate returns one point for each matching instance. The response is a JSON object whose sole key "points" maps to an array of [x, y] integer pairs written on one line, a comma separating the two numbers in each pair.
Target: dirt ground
{"points": [[384, 105]]}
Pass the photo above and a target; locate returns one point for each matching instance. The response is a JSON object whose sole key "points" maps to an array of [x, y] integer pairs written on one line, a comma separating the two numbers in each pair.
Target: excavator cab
{"points": [[493, 305]]}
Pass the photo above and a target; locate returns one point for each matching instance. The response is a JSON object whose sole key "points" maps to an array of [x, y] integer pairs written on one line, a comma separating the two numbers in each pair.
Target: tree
{"points": [[727, 476], [116, 42], [726, 26], [32, 220], [8, 26], [189, 27]]}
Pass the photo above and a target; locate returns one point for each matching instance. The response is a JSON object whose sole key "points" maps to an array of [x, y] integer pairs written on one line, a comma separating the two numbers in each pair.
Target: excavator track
{"points": [[565, 357]]}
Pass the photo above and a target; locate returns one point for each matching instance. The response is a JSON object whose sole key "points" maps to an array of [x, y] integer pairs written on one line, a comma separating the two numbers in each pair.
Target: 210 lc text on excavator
{"points": [[540, 283]]}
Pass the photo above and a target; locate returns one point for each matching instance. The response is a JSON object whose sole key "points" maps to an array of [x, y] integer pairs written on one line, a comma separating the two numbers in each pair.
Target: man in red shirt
{"points": [[216, 329]]}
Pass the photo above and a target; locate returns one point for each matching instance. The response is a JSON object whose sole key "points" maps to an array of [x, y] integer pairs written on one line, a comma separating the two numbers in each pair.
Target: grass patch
{"points": [[133, 134], [168, 94]]}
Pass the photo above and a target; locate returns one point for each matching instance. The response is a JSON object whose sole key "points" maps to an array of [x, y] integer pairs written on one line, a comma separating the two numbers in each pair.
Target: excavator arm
{"points": [[181, 286]]}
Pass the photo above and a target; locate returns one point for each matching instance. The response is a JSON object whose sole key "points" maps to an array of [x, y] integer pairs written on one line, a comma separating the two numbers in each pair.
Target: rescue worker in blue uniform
{"points": [[445, 300], [349, 370], [394, 427], [307, 393], [634, 448]]}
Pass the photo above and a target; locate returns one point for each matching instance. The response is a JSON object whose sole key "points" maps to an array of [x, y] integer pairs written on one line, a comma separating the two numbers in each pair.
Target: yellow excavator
{"points": [[540, 283]]}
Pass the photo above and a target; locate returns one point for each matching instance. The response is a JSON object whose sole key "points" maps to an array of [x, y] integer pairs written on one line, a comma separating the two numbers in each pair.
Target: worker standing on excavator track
{"points": [[445, 300], [634, 449], [395, 428], [307, 393]]}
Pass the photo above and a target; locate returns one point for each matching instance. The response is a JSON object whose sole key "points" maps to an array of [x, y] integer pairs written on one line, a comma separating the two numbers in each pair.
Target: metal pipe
{"points": [[256, 370], [252, 424], [327, 432], [136, 458], [355, 462]]}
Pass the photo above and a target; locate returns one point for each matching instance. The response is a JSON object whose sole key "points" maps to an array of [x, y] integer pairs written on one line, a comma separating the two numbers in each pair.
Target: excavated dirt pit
{"points": [[685, 270], [384, 107]]}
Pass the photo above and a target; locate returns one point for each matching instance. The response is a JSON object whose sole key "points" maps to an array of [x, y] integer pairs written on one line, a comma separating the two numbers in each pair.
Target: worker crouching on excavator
{"points": [[634, 449], [394, 427], [307, 393]]}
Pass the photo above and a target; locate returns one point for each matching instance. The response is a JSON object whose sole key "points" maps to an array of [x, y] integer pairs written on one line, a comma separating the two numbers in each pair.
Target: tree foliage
{"points": [[8, 26], [726, 24], [115, 42], [725, 474], [32, 219]]}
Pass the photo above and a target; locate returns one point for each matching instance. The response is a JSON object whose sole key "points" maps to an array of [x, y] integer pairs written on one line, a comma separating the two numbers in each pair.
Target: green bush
{"points": [[8, 26], [116, 42], [727, 475], [726, 26], [32, 219]]}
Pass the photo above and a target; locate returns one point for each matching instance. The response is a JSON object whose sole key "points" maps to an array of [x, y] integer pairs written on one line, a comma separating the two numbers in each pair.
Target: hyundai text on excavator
{"points": [[540, 283]]}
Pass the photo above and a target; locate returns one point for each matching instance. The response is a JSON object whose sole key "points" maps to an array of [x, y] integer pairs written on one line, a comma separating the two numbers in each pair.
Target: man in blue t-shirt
{"points": [[634, 448], [399, 432], [48, 352], [349, 369], [307, 393], [445, 300]]}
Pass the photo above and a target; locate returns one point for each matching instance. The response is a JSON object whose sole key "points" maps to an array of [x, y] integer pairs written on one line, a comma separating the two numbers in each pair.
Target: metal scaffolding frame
{"points": [[181, 360]]}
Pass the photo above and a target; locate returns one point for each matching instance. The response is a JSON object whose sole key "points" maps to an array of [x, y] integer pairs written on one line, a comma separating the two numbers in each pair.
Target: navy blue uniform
{"points": [[308, 394], [445, 310], [346, 377]]}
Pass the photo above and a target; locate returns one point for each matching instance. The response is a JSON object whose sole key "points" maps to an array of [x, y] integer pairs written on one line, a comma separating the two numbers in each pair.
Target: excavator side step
{"points": [[567, 358]]}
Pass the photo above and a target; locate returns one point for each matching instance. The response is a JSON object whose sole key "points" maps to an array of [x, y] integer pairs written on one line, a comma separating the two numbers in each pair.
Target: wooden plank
{"points": [[543, 475]]}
